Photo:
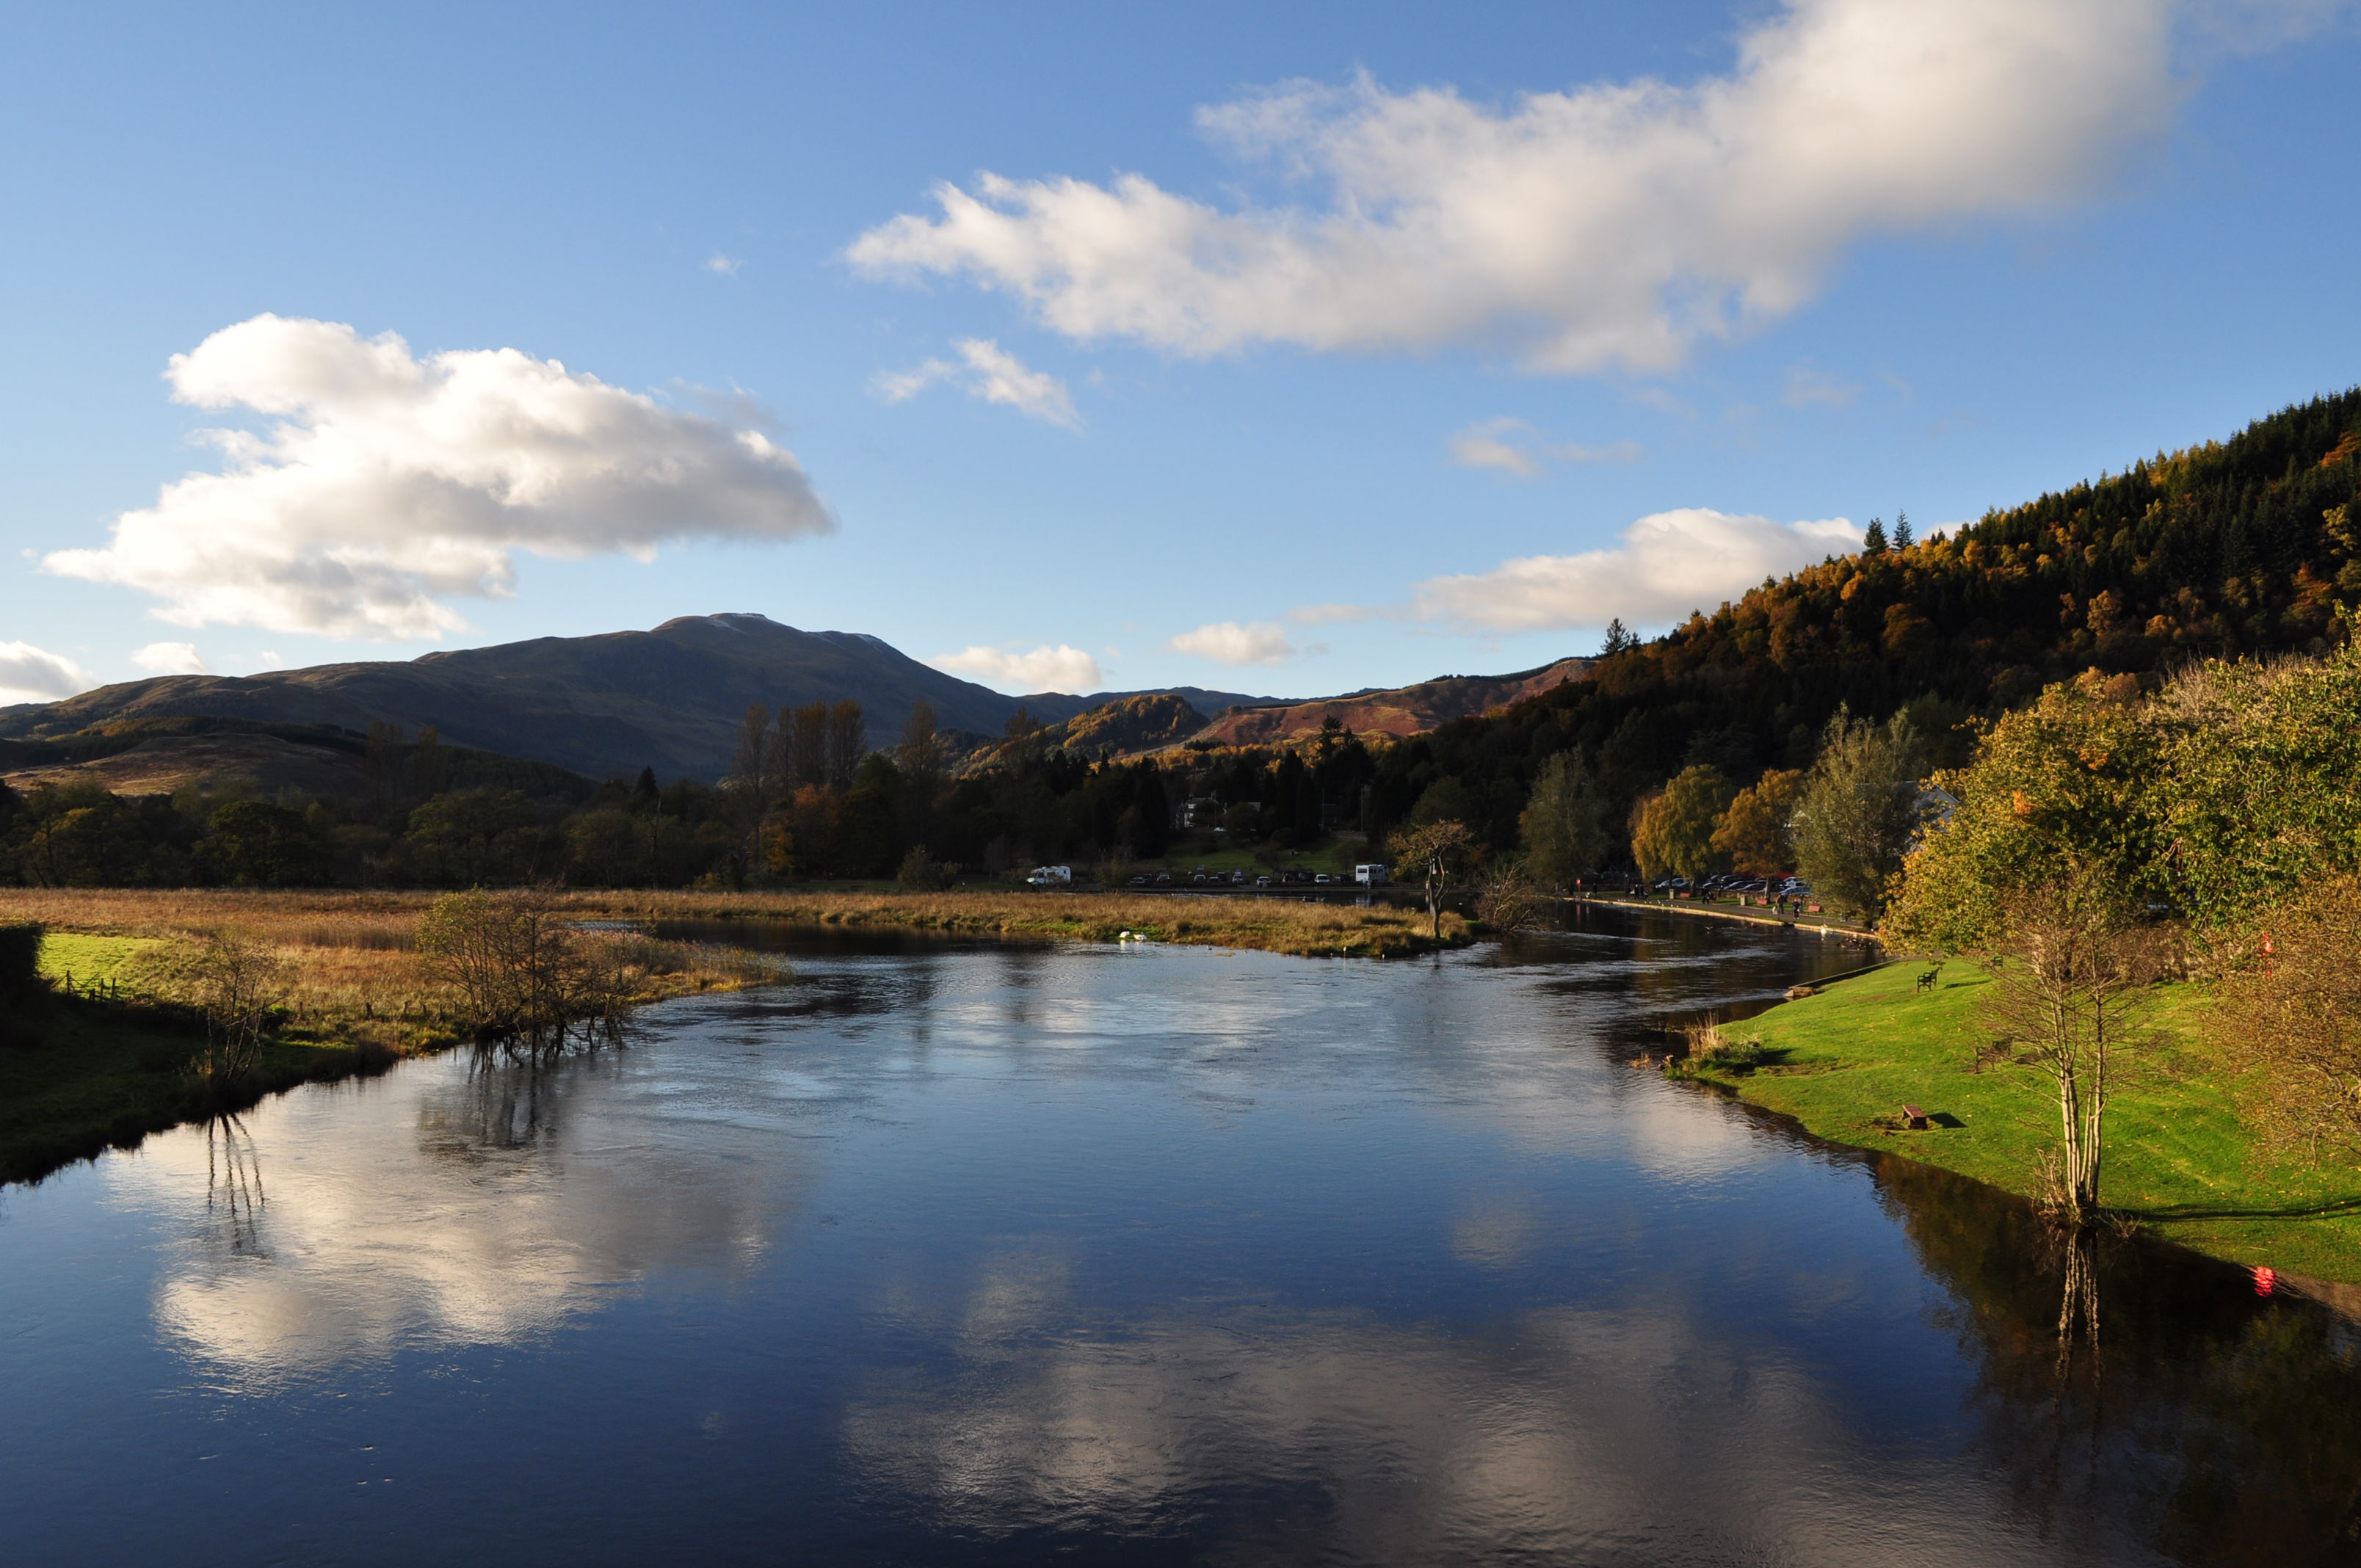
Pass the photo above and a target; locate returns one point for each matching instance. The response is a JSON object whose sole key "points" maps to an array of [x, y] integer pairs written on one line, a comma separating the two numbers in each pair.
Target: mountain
{"points": [[604, 706]]}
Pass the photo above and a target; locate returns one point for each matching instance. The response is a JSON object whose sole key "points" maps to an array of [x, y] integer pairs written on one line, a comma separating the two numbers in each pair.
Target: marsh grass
{"points": [[1304, 929]]}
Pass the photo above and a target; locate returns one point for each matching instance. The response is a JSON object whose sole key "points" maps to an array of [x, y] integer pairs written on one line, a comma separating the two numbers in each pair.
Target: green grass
{"points": [[2177, 1158], [88, 958]]}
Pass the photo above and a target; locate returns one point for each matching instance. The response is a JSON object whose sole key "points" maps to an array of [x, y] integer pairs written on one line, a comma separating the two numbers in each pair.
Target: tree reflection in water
{"points": [[2224, 1416], [234, 1194]]}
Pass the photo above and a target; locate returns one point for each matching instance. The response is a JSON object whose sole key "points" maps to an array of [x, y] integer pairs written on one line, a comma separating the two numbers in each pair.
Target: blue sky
{"points": [[1400, 296]]}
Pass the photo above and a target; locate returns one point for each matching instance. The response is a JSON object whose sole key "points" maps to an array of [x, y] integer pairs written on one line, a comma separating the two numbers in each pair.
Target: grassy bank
{"points": [[107, 1073], [1844, 1062]]}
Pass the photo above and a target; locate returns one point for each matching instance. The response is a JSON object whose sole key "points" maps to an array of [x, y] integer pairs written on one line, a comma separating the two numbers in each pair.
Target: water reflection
{"points": [[234, 1192], [946, 1254], [2120, 1380], [544, 1184]]}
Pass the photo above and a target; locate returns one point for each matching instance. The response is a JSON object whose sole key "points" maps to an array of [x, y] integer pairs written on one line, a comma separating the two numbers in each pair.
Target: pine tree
{"points": [[1902, 531], [1620, 639], [1873, 542]]}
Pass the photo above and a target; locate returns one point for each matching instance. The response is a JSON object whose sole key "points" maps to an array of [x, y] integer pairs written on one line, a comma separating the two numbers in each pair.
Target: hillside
{"points": [[2245, 546], [1401, 711], [1127, 725], [154, 756]]}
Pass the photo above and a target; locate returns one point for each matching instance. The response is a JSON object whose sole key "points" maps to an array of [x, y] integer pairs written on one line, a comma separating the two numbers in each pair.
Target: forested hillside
{"points": [[2232, 548]]}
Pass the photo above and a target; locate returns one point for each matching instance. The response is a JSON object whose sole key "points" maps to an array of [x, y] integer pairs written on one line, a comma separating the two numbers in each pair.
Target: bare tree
{"points": [[920, 758], [848, 743], [524, 974], [237, 982], [752, 768], [1431, 852], [2061, 1006], [811, 768], [1509, 898]]}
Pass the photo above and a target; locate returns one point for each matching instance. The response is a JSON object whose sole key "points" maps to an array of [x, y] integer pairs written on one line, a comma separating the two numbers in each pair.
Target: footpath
{"points": [[1824, 925]]}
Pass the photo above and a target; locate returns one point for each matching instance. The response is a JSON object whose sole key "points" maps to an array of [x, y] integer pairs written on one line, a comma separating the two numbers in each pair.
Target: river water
{"points": [[948, 1254]]}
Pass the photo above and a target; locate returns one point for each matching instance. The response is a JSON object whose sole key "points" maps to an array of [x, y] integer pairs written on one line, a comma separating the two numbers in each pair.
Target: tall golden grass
{"points": [[351, 957], [353, 950], [1299, 926]]}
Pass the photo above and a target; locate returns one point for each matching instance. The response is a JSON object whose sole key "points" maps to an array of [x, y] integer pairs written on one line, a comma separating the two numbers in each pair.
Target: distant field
{"points": [[2177, 1159]]}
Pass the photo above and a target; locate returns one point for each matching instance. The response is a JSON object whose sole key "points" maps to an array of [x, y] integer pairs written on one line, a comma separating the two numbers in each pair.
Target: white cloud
{"points": [[1807, 385], [723, 266], [1063, 668], [1227, 642], [1513, 447], [1326, 614], [986, 370], [171, 659], [394, 484], [1667, 564], [1614, 224], [33, 674]]}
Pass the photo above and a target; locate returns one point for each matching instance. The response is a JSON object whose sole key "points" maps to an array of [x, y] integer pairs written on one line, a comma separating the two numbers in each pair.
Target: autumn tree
{"points": [[1754, 835], [1563, 824], [1857, 811], [2291, 1003], [2078, 779], [1672, 831]]}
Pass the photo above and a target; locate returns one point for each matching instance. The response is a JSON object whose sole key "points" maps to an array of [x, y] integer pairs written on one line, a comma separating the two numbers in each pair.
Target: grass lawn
{"points": [[2176, 1159]]}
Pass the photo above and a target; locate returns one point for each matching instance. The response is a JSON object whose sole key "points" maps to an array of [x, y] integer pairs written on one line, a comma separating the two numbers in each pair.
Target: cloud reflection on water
{"points": [[532, 1199], [1566, 1434]]}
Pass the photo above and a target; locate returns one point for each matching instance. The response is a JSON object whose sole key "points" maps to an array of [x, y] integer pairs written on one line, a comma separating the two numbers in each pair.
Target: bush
{"points": [[20, 962]]}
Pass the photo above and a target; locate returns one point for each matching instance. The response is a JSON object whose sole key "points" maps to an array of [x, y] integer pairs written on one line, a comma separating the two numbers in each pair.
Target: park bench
{"points": [[1917, 1118]]}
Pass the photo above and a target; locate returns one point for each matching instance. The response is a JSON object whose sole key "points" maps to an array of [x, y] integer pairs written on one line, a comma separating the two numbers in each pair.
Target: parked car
{"points": [[1324, 879]]}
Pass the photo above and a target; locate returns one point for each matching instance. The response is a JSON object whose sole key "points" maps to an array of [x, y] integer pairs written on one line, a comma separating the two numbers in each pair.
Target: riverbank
{"points": [[110, 1068], [1845, 1061], [112, 1058]]}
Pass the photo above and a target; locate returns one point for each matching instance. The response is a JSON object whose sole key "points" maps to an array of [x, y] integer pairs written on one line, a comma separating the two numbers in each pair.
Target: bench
{"points": [[1917, 1118], [1927, 981]]}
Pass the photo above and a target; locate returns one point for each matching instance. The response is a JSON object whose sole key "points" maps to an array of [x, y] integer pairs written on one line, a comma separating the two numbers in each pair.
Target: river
{"points": [[954, 1253]]}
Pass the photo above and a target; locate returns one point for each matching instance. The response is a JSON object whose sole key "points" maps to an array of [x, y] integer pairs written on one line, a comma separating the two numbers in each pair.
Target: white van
{"points": [[1373, 874], [1050, 876]]}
